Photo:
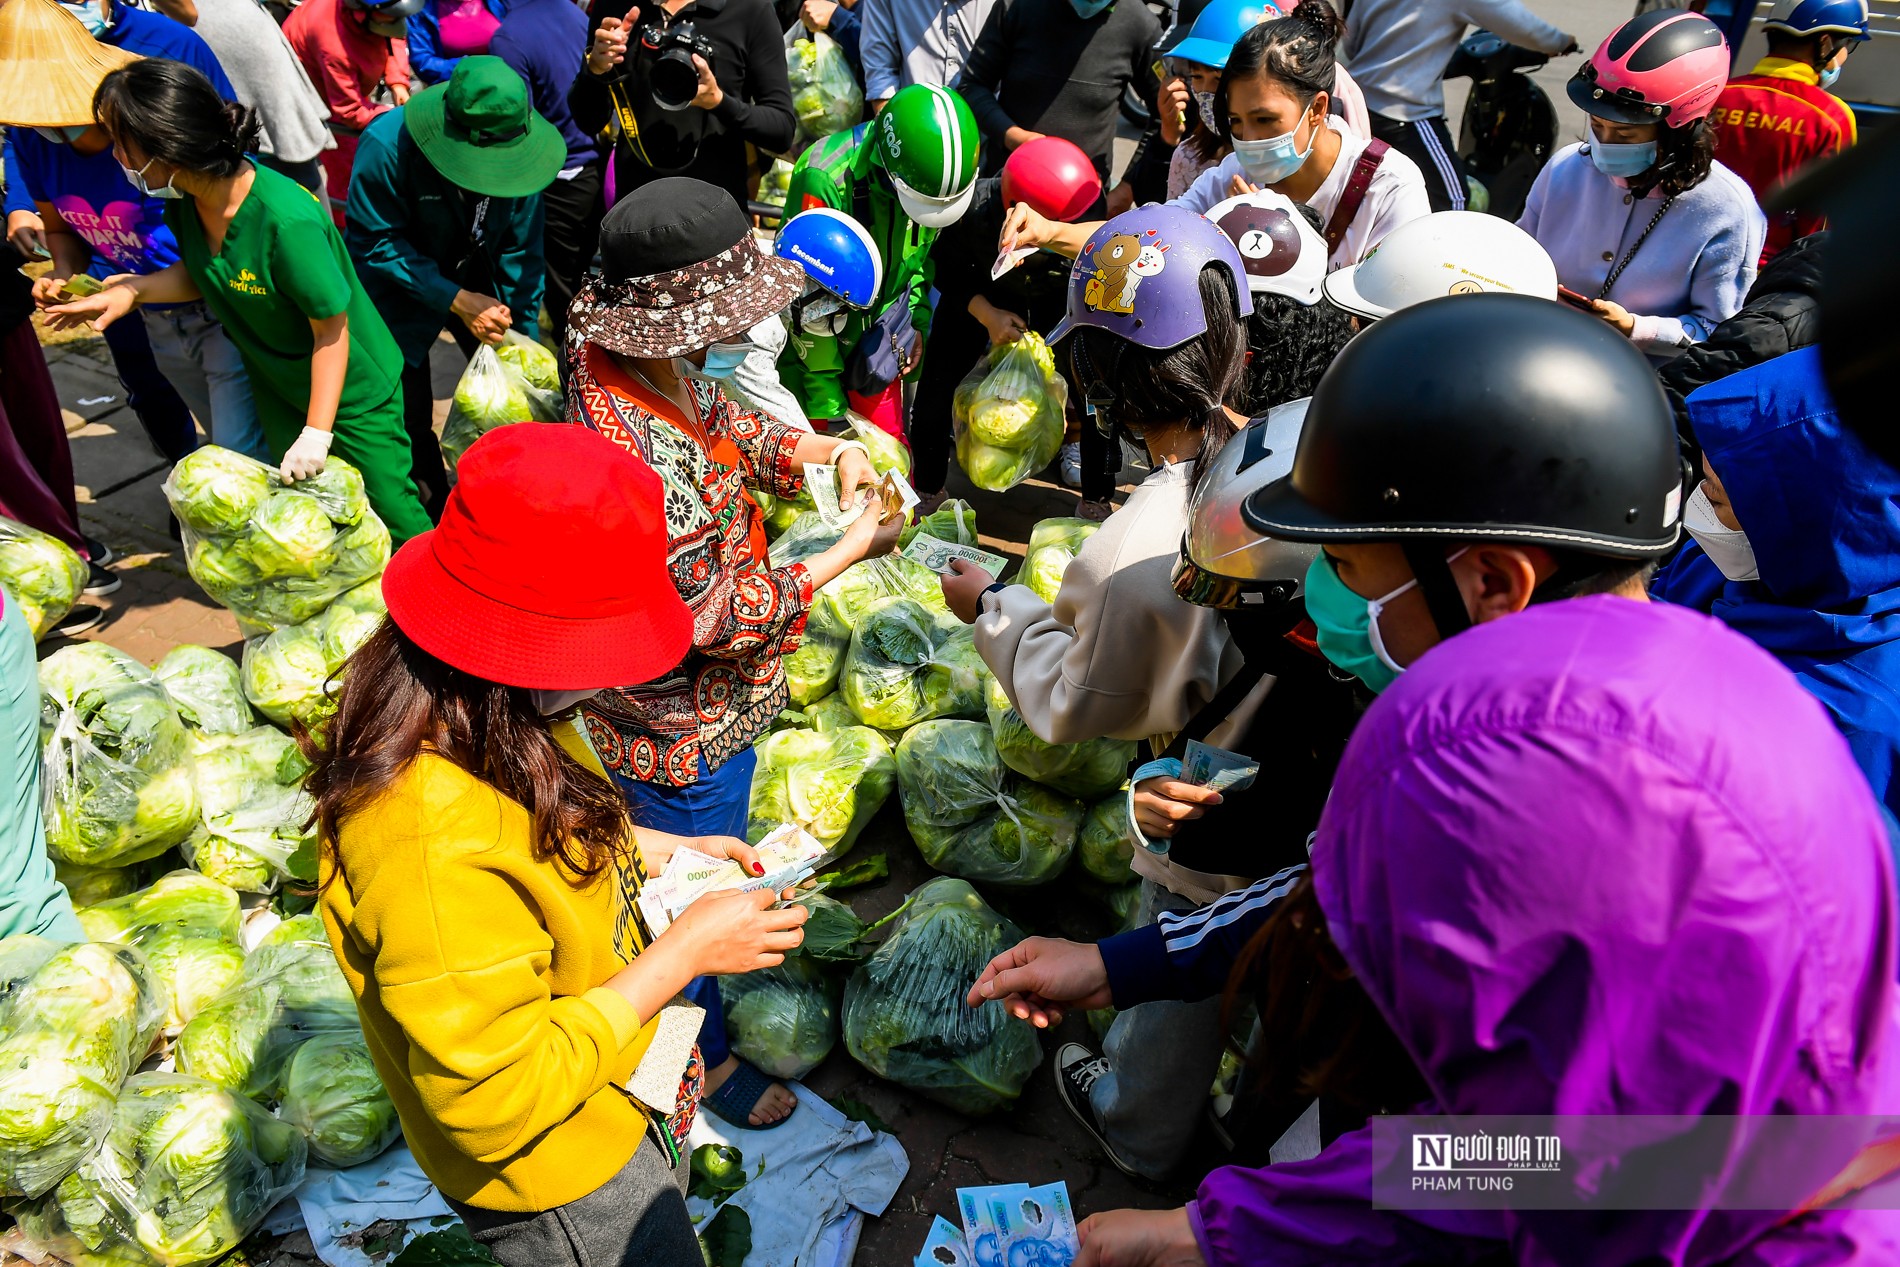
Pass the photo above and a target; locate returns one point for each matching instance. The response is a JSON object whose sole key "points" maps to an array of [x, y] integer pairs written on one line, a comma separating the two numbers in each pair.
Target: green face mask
{"points": [[1349, 625]]}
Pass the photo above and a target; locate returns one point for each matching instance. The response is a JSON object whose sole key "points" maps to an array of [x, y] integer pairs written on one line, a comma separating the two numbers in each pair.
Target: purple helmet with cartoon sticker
{"points": [[1138, 276]]}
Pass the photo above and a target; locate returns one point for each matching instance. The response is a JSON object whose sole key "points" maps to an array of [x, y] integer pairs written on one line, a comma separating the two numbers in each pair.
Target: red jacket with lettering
{"points": [[1772, 122]]}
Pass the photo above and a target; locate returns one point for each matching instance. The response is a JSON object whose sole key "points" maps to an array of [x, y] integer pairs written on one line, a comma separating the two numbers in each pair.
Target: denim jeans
{"points": [[193, 351]]}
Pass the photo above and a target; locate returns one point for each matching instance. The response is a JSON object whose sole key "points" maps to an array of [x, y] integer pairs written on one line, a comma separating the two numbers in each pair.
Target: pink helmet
{"points": [[1666, 66]]}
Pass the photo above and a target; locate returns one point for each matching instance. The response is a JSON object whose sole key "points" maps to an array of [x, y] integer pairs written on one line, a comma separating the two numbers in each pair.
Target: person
{"points": [[545, 42], [1445, 253], [258, 249], [445, 228], [906, 175], [1119, 654], [150, 34], [1184, 107], [1780, 116], [905, 42], [351, 49], [292, 117], [442, 32], [1275, 105], [844, 274], [1645, 226], [652, 336], [32, 900], [173, 361], [1656, 951], [1059, 68], [743, 95], [1399, 50], [478, 875], [839, 19]]}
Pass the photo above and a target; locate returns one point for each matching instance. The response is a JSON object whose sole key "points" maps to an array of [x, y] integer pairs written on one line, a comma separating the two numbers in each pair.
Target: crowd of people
{"points": [[1560, 811]]}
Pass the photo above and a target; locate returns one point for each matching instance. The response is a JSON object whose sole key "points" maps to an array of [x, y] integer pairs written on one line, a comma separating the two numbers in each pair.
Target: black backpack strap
{"points": [[1218, 709]]}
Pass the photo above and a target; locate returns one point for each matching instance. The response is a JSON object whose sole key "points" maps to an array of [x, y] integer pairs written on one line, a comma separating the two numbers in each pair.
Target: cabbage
{"points": [[42, 574], [953, 520], [116, 777], [517, 381], [783, 1019], [22, 955], [88, 886], [195, 969], [253, 833], [532, 361], [886, 451], [830, 784], [186, 926], [1090, 769], [286, 675], [1008, 414], [291, 536], [334, 1096], [972, 817], [904, 1013], [338, 491], [812, 670], [833, 932], [291, 990], [1106, 847], [909, 663], [187, 1172], [1053, 544], [826, 97], [204, 684], [216, 491], [830, 713]]}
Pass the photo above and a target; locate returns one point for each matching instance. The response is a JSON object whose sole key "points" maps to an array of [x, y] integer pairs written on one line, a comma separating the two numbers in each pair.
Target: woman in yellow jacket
{"points": [[478, 875]]}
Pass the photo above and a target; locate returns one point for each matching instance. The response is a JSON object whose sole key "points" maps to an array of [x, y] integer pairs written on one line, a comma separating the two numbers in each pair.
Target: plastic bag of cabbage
{"points": [[909, 662], [274, 554], [954, 520], [331, 1093], [186, 926], [252, 833], [904, 1014], [1053, 544], [287, 672], [829, 783], [782, 1019], [972, 816], [812, 670], [116, 768], [188, 1170], [206, 687], [74, 1020], [1106, 847], [43, 574], [825, 93], [1008, 414], [89, 886], [1090, 769], [516, 380]]}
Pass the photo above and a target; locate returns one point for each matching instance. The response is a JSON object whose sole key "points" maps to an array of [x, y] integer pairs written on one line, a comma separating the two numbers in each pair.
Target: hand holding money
{"points": [[855, 476], [963, 587]]}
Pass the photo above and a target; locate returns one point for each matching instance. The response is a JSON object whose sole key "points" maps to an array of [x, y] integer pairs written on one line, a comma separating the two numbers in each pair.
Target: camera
{"points": [[667, 54]]}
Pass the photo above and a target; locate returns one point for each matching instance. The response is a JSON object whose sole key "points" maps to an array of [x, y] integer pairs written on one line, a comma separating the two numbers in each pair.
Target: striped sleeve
{"points": [[1188, 955]]}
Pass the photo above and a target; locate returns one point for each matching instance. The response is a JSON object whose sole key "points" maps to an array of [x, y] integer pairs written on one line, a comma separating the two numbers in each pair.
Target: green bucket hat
{"points": [[480, 131]]}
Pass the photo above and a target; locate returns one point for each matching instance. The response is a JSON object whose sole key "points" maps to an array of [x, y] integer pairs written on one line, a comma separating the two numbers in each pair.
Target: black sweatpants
{"points": [[1428, 143], [426, 466], [569, 239]]}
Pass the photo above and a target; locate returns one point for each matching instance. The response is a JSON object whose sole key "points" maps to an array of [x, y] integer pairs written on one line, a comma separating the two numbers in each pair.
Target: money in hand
{"points": [[938, 555], [821, 482], [1217, 768]]}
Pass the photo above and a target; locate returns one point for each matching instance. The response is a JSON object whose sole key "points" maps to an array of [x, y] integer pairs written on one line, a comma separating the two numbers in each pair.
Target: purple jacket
{"points": [[1599, 857]]}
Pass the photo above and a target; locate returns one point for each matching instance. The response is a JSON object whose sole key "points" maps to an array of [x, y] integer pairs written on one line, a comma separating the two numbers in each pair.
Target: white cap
{"points": [[1283, 253], [1445, 253]]}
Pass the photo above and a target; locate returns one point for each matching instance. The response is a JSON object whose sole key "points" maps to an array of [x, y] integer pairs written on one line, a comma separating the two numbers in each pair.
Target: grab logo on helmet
{"points": [[926, 141]]}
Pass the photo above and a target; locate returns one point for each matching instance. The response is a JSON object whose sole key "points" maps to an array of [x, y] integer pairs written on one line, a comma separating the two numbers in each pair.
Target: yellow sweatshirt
{"points": [[479, 974]]}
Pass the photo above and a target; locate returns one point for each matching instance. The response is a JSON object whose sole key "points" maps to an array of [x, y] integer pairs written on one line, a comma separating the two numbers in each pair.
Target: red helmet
{"points": [[1666, 66], [1053, 176]]}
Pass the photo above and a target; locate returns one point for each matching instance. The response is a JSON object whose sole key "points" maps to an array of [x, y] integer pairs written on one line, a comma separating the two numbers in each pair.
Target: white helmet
{"points": [[1445, 253]]}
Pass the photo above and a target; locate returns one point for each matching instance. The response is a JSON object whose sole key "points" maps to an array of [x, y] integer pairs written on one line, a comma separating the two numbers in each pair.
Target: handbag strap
{"points": [[1218, 709], [1631, 253], [1354, 194]]}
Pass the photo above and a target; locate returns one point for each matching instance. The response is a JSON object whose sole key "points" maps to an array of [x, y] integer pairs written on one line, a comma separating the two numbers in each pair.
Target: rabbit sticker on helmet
{"points": [[1124, 260]]}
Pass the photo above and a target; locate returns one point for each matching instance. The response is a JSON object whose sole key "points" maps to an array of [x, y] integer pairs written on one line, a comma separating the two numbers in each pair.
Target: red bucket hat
{"points": [[510, 587]]}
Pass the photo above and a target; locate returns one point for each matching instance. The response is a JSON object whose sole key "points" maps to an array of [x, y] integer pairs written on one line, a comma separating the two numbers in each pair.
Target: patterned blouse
{"points": [[747, 615]]}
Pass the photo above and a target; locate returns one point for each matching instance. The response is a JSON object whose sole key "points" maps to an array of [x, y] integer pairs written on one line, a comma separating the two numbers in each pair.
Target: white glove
{"points": [[307, 455]]}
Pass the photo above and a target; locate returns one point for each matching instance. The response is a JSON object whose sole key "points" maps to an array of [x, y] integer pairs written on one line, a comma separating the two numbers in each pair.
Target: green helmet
{"points": [[925, 139]]}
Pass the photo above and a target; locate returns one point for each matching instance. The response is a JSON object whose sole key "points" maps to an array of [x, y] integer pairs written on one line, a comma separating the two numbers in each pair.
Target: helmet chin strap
{"points": [[1443, 599]]}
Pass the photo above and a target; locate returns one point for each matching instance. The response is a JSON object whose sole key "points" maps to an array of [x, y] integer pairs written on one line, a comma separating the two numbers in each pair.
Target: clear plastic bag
{"points": [[910, 662], [207, 689], [188, 1170], [1008, 414], [290, 674], [829, 783], [1088, 770], [783, 1019], [516, 380], [275, 554], [812, 670], [254, 831], [186, 926], [1053, 545], [116, 770], [1106, 847], [971, 816], [904, 1012], [825, 93], [954, 521], [41, 573], [333, 1095]]}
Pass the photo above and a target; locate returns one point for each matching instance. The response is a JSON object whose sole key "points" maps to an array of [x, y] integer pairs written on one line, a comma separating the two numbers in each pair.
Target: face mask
{"points": [[1829, 77], [1271, 161], [1086, 9], [1623, 160], [1205, 100], [89, 13], [821, 313], [1728, 548], [64, 136], [721, 360], [1349, 625], [558, 703], [166, 190]]}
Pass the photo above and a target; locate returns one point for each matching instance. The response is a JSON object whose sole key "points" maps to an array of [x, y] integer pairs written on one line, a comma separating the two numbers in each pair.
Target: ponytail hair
{"points": [[169, 111], [1298, 50]]}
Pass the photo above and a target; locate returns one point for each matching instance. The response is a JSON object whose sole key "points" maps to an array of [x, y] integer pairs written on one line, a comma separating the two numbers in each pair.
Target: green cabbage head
{"points": [[217, 491], [41, 573], [1053, 544], [333, 1095], [207, 689], [1088, 770], [971, 816], [783, 1019], [829, 783], [1106, 847], [291, 536], [909, 663]]}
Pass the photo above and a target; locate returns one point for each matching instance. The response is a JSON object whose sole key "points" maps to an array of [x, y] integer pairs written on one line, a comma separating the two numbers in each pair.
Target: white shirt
{"points": [[1396, 195], [905, 42], [1398, 49]]}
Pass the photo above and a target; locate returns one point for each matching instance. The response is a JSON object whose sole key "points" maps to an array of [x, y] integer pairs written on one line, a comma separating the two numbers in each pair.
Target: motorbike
{"points": [[1509, 128]]}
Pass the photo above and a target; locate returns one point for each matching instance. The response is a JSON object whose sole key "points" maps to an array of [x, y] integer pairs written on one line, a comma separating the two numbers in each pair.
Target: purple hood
{"points": [[1600, 857]]}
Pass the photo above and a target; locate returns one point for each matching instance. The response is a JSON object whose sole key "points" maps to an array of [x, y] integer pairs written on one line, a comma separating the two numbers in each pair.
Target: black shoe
{"points": [[79, 620], [98, 551], [100, 581], [1077, 1071]]}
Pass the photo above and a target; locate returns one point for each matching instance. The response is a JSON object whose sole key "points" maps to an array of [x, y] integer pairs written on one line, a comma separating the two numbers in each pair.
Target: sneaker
{"points": [[1078, 1069], [98, 551], [1072, 464], [79, 620], [100, 580]]}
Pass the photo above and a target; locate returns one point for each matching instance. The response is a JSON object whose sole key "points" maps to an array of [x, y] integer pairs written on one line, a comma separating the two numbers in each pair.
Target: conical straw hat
{"points": [[50, 65]]}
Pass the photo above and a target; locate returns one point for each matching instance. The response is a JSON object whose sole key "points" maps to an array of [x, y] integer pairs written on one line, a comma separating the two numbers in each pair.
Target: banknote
{"points": [[892, 493], [938, 555], [788, 853], [1010, 259], [944, 1247], [976, 1206], [1037, 1226], [1217, 768]]}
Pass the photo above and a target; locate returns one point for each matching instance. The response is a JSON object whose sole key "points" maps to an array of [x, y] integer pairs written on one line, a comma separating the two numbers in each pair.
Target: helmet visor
{"points": [[932, 213]]}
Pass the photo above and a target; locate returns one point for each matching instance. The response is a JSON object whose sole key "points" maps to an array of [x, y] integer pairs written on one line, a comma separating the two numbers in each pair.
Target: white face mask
{"points": [[1728, 548], [559, 703]]}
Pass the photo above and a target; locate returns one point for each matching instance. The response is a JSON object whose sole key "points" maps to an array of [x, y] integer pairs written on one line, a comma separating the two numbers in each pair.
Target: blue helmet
{"points": [[1817, 17], [836, 253], [1220, 25]]}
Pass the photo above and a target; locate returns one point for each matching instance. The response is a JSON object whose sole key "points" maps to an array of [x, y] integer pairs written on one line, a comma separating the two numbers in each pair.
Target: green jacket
{"points": [[830, 174], [408, 230]]}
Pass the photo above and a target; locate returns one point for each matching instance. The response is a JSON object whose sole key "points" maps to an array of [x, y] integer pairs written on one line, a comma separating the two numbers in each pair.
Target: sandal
{"points": [[1096, 512], [739, 1094]]}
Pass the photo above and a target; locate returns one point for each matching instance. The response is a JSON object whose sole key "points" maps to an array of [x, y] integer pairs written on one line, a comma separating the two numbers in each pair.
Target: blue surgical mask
{"points": [[1829, 77], [1086, 9], [90, 13], [166, 190], [1205, 102], [721, 360], [1348, 625], [1271, 161], [1623, 160], [65, 135]]}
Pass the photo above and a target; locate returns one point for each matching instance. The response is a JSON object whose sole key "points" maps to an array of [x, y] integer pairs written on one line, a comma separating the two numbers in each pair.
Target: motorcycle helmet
{"points": [[1139, 276], [1666, 66], [1445, 253], [926, 140], [1819, 17], [389, 20], [1281, 251], [1210, 41], [843, 268], [1053, 176], [1225, 563]]}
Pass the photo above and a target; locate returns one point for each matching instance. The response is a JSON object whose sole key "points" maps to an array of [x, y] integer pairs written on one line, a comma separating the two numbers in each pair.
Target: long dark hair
{"points": [[1683, 158], [396, 699], [1297, 50], [169, 111]]}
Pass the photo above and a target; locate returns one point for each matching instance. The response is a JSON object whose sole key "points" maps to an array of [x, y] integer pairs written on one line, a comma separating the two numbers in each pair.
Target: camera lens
{"points": [[673, 79]]}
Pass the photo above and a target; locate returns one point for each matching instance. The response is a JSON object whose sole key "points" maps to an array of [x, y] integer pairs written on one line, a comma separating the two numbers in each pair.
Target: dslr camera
{"points": [[666, 62]]}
